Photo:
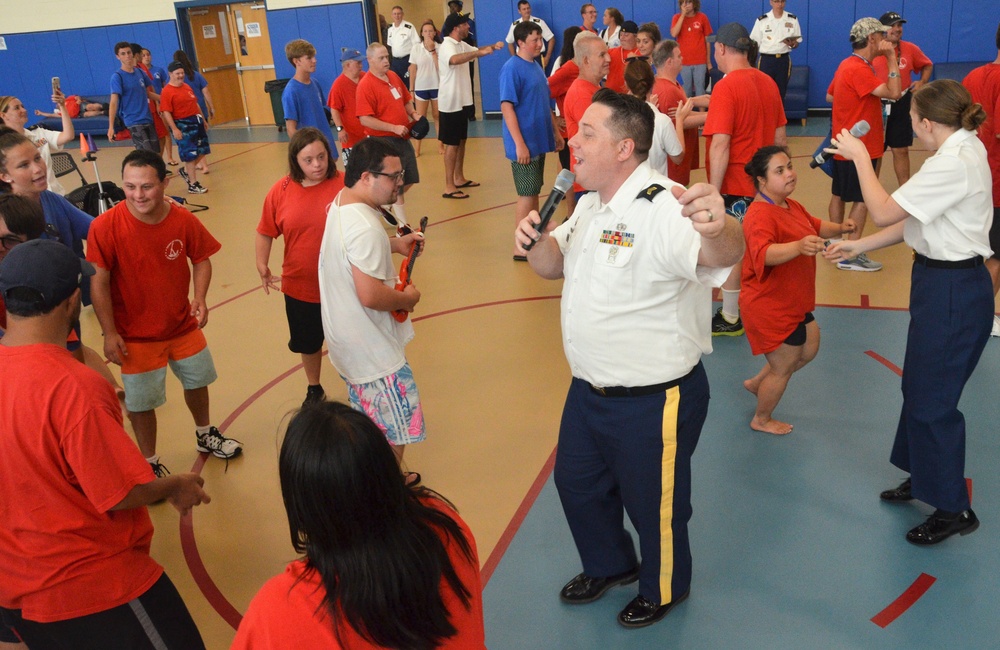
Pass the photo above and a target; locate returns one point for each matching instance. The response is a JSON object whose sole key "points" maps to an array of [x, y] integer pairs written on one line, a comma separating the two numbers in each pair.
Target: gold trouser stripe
{"points": [[668, 462]]}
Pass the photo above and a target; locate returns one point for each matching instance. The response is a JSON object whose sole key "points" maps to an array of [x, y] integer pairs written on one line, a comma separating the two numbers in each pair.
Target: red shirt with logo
{"points": [[692, 38]]}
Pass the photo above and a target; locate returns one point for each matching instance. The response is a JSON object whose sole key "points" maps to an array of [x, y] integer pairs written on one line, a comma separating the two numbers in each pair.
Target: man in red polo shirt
{"points": [[593, 61], [342, 101]]}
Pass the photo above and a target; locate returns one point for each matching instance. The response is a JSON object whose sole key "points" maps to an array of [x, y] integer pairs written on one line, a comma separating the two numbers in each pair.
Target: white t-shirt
{"points": [[665, 142], [951, 201], [364, 344], [427, 72], [612, 37], [47, 141], [547, 34], [455, 89]]}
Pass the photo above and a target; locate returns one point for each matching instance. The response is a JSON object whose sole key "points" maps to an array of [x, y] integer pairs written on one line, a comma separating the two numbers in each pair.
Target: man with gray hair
{"points": [[857, 93], [594, 62], [639, 264]]}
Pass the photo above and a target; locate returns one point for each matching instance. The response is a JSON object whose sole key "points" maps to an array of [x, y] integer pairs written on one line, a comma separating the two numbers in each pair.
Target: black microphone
{"points": [[563, 184], [858, 130]]}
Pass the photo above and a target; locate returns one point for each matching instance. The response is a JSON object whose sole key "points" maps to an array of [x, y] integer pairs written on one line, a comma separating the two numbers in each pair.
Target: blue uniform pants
{"points": [[951, 314], [632, 454], [778, 68]]}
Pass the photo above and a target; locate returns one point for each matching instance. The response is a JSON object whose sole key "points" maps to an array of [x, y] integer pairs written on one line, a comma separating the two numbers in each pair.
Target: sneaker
{"points": [[159, 470], [217, 444], [996, 327], [183, 173], [722, 327], [314, 395], [196, 188], [859, 263]]}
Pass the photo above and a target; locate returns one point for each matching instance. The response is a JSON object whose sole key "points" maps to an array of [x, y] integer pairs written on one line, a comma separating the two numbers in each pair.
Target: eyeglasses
{"points": [[398, 176], [10, 241]]}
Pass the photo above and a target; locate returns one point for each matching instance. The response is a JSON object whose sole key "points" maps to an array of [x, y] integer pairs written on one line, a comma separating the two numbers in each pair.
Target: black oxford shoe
{"points": [[642, 612], [584, 589], [901, 493], [941, 525]]}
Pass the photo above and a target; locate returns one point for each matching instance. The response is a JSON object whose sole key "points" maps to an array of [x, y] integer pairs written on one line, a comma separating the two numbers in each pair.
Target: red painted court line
{"points": [[239, 295], [885, 362], [482, 305], [515, 523], [905, 600], [469, 214]]}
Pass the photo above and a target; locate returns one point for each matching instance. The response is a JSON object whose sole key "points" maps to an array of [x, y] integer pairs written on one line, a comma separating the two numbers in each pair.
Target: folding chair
{"points": [[63, 163]]}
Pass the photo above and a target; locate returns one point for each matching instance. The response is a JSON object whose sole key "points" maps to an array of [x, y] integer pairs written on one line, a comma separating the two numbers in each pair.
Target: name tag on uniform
{"points": [[395, 93]]}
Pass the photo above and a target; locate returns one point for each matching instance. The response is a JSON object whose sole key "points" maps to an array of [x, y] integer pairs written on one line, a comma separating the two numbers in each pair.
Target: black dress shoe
{"points": [[642, 612], [941, 525], [901, 493], [584, 589]]}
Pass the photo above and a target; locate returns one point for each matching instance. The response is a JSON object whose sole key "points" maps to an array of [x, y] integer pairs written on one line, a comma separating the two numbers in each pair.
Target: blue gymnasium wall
{"points": [[946, 30], [83, 59]]}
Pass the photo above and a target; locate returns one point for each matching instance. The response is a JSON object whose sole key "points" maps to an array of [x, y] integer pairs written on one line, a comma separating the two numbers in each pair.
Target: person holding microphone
{"points": [[944, 212]]}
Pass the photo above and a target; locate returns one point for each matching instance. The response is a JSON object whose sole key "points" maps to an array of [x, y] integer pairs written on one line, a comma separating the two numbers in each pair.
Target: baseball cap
{"points": [[865, 27], [455, 2], [734, 35], [174, 65], [350, 54], [630, 27], [890, 18], [453, 21], [419, 129], [50, 268]]}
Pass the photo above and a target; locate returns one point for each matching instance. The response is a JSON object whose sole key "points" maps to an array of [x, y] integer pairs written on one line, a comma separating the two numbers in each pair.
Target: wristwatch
{"points": [[893, 75]]}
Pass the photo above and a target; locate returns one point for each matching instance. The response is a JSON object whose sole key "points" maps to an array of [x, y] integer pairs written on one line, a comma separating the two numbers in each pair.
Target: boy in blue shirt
{"points": [[130, 93], [302, 99]]}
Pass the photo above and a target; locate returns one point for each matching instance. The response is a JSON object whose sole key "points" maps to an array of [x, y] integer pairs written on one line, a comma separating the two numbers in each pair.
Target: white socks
{"points": [[731, 305]]}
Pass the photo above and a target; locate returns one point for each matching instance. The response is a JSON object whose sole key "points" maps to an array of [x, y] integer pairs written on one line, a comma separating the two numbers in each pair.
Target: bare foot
{"points": [[776, 427], [751, 385]]}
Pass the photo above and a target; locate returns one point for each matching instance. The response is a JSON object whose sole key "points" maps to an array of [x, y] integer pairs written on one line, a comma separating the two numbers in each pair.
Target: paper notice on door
{"points": [[208, 31]]}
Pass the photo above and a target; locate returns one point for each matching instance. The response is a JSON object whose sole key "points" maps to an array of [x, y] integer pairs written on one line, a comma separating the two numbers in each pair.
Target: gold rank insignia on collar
{"points": [[650, 192]]}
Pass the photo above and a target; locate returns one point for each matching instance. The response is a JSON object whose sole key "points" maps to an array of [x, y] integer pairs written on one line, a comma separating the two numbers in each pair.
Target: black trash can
{"points": [[275, 88]]}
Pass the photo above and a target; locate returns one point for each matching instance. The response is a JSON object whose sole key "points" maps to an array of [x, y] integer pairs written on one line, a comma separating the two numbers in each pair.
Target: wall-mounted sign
{"points": [[253, 30], [208, 31]]}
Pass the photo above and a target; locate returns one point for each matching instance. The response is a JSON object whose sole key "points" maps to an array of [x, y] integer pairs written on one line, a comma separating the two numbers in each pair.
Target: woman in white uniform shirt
{"points": [[424, 76], [944, 213], [611, 33]]}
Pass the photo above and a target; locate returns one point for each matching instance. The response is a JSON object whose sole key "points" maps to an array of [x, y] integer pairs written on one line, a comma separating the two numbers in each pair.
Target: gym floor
{"points": [[792, 547]]}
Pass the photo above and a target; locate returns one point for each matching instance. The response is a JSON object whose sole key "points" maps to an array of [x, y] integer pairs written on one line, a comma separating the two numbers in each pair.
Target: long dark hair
{"points": [[181, 57], [299, 141], [568, 53], [376, 546]]}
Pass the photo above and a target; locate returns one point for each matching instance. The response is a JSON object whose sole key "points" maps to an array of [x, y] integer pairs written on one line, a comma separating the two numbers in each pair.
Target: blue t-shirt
{"points": [[304, 104], [160, 77], [72, 226], [523, 84], [198, 84], [133, 104]]}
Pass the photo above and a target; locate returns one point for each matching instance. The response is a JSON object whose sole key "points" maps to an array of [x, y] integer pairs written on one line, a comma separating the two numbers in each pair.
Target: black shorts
{"points": [[898, 128], [453, 128], [158, 614], [995, 234], [798, 337], [564, 156], [305, 326], [845, 181]]}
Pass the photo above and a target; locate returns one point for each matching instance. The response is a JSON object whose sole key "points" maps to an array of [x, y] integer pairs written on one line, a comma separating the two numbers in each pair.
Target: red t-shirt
{"points": [[288, 611], [343, 98], [616, 71], [65, 461], [669, 93], [984, 85], [179, 101], [775, 299], [299, 214], [691, 38], [745, 105], [150, 276], [559, 84], [851, 88], [911, 59], [376, 98], [578, 98]]}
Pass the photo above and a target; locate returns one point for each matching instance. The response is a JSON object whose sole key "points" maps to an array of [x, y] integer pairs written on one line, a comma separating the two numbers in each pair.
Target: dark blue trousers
{"points": [[951, 314], [632, 454], [778, 68]]}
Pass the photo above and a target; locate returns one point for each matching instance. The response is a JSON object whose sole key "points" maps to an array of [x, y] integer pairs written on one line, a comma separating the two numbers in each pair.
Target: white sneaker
{"points": [[217, 444], [996, 327], [859, 263]]}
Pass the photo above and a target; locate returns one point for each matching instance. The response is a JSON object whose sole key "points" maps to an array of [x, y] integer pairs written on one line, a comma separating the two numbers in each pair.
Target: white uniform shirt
{"points": [[427, 71], [950, 200], [364, 344], [636, 307], [547, 34], [402, 39], [455, 89], [770, 32], [665, 142], [612, 37]]}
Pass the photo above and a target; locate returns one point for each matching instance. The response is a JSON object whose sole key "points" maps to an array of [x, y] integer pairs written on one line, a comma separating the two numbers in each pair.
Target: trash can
{"points": [[274, 88]]}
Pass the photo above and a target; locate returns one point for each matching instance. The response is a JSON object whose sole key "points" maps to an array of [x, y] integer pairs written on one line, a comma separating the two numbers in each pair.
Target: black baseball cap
{"points": [[453, 21], [890, 18], [419, 129], [49, 267], [630, 27]]}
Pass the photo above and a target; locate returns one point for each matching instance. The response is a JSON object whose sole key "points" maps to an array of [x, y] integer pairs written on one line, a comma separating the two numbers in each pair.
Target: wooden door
{"points": [[254, 62], [213, 44]]}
